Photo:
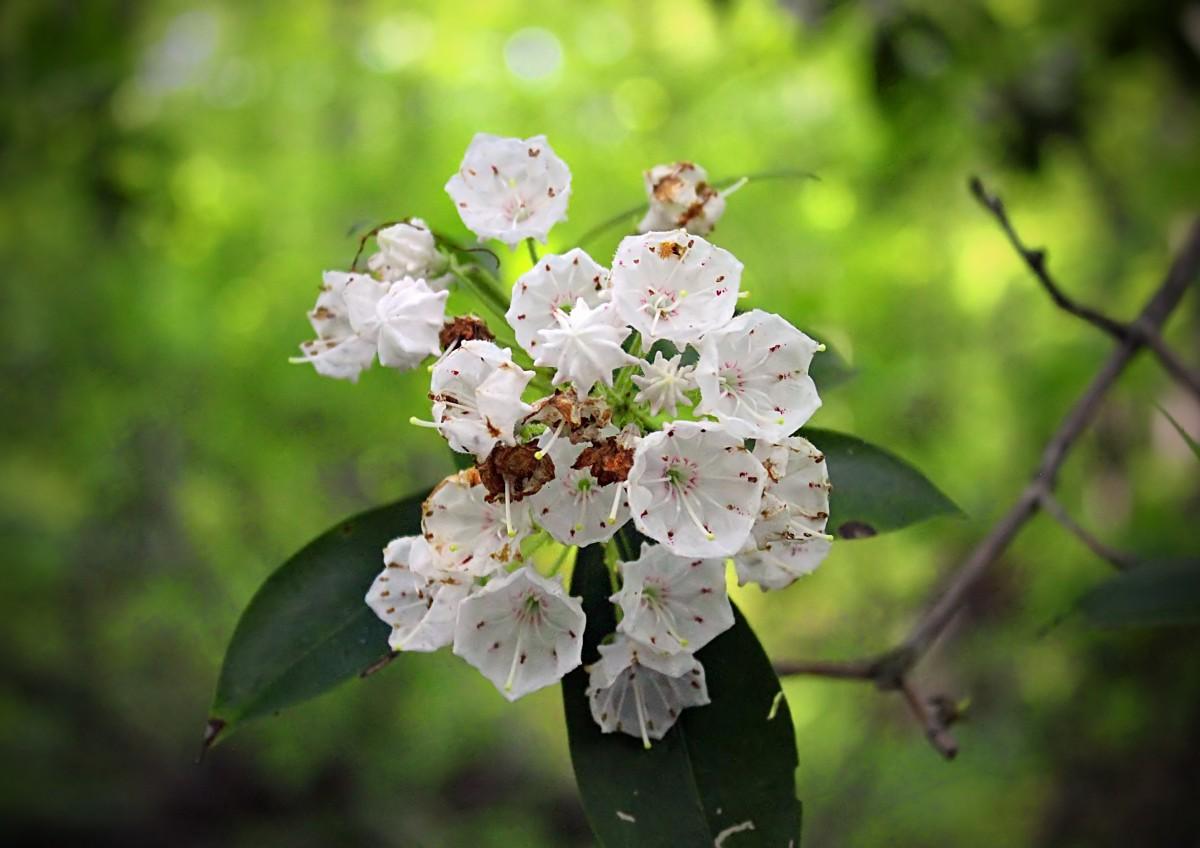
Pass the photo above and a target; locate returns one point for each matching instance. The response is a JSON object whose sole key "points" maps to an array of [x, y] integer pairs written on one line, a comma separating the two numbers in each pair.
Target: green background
{"points": [[175, 176]]}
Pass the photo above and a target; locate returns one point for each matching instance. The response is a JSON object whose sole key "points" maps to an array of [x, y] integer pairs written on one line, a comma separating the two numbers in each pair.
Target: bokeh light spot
{"points": [[533, 54]]}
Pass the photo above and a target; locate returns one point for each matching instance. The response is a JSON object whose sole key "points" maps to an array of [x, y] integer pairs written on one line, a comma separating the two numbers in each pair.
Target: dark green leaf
{"points": [[1147, 596], [829, 369], [720, 766], [874, 491], [307, 628]]}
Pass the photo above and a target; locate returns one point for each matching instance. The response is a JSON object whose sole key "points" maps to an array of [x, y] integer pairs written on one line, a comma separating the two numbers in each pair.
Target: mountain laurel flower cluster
{"points": [[632, 406]]}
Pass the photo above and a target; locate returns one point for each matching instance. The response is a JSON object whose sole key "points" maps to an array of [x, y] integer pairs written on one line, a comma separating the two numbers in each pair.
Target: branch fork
{"points": [[892, 670]]}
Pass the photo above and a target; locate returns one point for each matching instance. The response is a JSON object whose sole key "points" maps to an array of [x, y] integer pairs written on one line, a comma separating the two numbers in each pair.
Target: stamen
{"points": [[735, 187], [641, 712], [512, 671], [542, 453], [669, 625], [508, 509], [418, 422], [612, 513], [691, 511]]}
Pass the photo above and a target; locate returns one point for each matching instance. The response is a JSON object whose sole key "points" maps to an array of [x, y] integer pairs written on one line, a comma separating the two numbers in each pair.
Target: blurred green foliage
{"points": [[176, 175]]}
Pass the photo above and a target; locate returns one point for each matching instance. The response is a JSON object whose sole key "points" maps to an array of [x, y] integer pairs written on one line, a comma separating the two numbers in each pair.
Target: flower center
{"points": [[732, 380], [681, 474]]}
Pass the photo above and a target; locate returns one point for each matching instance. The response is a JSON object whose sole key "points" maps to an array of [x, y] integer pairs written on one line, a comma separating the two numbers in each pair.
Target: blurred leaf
{"points": [[1147, 596], [307, 628], [1183, 434], [722, 765], [829, 369], [874, 491]]}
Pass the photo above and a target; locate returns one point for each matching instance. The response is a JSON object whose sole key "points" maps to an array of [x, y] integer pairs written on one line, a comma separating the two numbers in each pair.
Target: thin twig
{"points": [[1035, 258], [851, 670], [1169, 360], [891, 669], [931, 722], [362, 242], [930, 626], [1118, 559]]}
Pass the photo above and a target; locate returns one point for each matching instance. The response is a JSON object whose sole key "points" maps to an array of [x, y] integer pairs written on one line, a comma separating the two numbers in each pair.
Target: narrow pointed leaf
{"points": [[1183, 434], [874, 491], [307, 628], [721, 766]]}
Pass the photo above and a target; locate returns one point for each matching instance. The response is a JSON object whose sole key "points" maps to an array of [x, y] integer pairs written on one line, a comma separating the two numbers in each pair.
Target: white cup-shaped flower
{"points": [[510, 188], [408, 249], [420, 609], [585, 346], [410, 316], [779, 563], [339, 351], [476, 391], [468, 533], [673, 603], [696, 489], [636, 690], [522, 631], [550, 287], [575, 507], [788, 539], [680, 196], [753, 376], [664, 383], [673, 285]]}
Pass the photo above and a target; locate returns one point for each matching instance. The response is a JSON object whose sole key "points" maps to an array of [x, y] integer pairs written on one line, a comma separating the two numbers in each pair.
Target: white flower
{"points": [[779, 563], [696, 489], [510, 189], [338, 351], [788, 539], [636, 690], [550, 287], [408, 249], [403, 319], [753, 376], [421, 610], [680, 196], [673, 603], [665, 383], [476, 391], [575, 507], [585, 347], [672, 285], [521, 631], [466, 532]]}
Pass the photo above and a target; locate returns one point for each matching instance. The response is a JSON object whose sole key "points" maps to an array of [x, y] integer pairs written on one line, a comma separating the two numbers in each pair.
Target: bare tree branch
{"points": [[931, 721], [1118, 559], [892, 669], [1035, 259], [1169, 360]]}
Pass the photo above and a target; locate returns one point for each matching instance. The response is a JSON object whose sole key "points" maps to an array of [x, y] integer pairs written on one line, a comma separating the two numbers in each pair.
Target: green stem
{"points": [[533, 257]]}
